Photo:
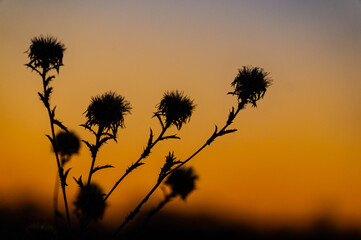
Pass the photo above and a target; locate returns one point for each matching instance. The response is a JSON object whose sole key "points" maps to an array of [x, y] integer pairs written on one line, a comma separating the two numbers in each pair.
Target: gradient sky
{"points": [[296, 156]]}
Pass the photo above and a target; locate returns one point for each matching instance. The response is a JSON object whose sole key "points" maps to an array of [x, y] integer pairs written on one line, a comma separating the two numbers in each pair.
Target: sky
{"points": [[294, 157]]}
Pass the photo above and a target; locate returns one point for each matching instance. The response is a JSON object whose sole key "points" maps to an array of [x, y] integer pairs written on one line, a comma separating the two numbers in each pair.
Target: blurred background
{"points": [[293, 159]]}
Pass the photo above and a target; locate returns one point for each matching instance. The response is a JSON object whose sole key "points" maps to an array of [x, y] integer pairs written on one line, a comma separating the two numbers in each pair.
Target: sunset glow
{"points": [[295, 157]]}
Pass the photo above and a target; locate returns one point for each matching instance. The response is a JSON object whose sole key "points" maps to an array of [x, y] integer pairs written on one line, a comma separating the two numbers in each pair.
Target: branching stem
{"points": [[162, 176]]}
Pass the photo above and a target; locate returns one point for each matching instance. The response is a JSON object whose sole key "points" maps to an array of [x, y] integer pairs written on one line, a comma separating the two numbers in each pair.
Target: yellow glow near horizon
{"points": [[293, 155]]}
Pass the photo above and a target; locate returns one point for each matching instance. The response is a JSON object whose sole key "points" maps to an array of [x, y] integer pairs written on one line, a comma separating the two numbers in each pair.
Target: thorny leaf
{"points": [[51, 140], [42, 98], [150, 140], [88, 128], [134, 166], [47, 81], [79, 182], [146, 151], [59, 124], [170, 137], [214, 135], [48, 91], [231, 116], [33, 68], [160, 120], [63, 178], [91, 147], [104, 140], [226, 132], [53, 113], [102, 167]]}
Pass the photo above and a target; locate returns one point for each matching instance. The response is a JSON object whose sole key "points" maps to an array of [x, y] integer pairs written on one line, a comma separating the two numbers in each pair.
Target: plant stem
{"points": [[55, 199], [94, 155], [161, 205], [137, 209], [60, 169], [136, 163], [160, 180]]}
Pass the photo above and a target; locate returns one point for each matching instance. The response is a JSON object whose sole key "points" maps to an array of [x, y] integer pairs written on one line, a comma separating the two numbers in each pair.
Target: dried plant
{"points": [[46, 54], [68, 144], [249, 90], [181, 183], [90, 202], [174, 109], [105, 115]]}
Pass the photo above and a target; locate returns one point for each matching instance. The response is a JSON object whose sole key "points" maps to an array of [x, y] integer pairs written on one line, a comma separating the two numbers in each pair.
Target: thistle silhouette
{"points": [[181, 183], [105, 113], [174, 109], [250, 86], [90, 202], [68, 144], [46, 54]]}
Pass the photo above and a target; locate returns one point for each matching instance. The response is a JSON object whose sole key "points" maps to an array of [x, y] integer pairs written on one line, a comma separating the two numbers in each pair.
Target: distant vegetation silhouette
{"points": [[105, 116]]}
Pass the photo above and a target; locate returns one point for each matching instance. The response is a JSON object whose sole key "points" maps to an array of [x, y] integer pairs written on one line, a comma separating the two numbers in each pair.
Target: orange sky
{"points": [[296, 155]]}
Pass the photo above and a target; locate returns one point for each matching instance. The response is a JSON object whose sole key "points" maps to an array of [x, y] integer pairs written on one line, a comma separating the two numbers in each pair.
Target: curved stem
{"points": [[137, 209], [60, 169], [160, 180], [161, 205]]}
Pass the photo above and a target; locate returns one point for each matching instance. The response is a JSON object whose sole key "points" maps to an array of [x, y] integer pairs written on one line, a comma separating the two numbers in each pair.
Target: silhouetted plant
{"points": [[174, 109], [90, 202], [68, 144], [181, 183], [46, 54], [106, 113], [250, 86]]}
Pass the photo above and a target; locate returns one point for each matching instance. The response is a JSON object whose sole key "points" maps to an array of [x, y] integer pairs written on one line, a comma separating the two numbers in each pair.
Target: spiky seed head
{"points": [[176, 108], [90, 201], [107, 111], [67, 143], [250, 85], [46, 53], [182, 181]]}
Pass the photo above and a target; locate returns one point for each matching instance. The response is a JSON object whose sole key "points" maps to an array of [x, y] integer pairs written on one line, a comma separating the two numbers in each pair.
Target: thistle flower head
{"points": [[107, 111], [250, 85], [67, 144], [90, 200], [46, 53], [182, 181], [176, 108]]}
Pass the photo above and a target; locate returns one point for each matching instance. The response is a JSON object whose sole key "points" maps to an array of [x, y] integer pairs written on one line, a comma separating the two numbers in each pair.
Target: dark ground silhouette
{"points": [[20, 222]]}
